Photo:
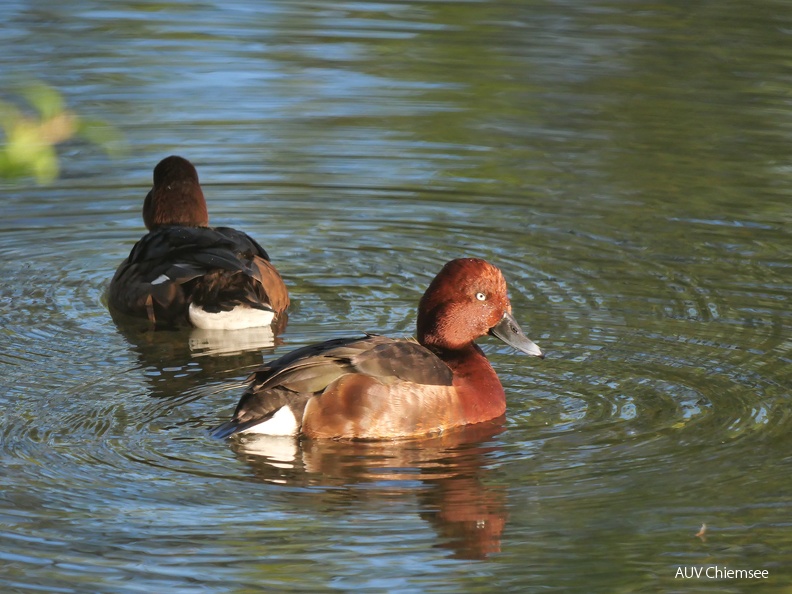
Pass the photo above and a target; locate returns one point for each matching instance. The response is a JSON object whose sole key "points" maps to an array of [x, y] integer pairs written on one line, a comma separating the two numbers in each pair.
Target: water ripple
{"points": [[639, 355]]}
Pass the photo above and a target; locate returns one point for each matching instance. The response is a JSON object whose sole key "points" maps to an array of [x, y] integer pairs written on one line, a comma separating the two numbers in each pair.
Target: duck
{"points": [[185, 272], [379, 388]]}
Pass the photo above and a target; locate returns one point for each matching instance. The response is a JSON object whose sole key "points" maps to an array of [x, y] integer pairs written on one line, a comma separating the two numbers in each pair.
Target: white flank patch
{"points": [[162, 278], [236, 319], [282, 423]]}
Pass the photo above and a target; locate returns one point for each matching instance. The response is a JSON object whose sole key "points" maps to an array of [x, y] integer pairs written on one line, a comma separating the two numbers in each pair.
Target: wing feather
{"points": [[214, 267]]}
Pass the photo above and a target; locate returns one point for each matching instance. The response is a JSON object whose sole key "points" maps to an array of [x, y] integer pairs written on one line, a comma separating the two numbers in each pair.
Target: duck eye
{"points": [[481, 296]]}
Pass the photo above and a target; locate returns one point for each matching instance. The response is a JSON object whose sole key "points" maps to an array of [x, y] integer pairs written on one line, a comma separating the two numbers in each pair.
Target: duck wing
{"points": [[217, 268]]}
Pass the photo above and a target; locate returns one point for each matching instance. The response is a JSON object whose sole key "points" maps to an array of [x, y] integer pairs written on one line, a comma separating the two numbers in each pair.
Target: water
{"points": [[625, 164]]}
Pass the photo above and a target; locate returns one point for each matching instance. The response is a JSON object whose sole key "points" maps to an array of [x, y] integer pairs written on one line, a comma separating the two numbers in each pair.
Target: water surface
{"points": [[625, 164]]}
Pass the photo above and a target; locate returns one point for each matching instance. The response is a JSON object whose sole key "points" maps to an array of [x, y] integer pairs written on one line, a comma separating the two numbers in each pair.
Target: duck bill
{"points": [[509, 331]]}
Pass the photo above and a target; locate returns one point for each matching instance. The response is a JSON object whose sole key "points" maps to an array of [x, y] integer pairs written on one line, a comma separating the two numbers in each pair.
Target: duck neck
{"points": [[480, 391], [181, 203]]}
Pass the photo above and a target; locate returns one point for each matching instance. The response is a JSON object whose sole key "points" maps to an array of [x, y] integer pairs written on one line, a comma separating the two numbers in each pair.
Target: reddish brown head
{"points": [[176, 198], [465, 301]]}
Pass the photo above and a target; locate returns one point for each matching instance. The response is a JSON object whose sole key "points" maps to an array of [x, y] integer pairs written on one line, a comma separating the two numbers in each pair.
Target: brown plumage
{"points": [[182, 262], [380, 388]]}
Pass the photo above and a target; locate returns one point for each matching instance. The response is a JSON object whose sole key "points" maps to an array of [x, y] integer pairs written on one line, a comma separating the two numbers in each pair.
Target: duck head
{"points": [[176, 198], [466, 300]]}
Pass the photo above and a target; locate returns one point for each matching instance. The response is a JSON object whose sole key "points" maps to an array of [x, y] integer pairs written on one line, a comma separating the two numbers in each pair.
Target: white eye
{"points": [[481, 296]]}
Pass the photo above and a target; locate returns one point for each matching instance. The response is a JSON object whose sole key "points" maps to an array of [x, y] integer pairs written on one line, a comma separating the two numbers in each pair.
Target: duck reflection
{"points": [[180, 359], [202, 341], [467, 511]]}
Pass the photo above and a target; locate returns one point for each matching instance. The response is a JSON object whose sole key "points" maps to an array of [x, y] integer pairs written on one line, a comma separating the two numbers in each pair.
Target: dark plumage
{"points": [[183, 262]]}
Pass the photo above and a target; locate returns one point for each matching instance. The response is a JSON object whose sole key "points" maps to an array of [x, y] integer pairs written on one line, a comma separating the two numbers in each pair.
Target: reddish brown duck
{"points": [[380, 388]]}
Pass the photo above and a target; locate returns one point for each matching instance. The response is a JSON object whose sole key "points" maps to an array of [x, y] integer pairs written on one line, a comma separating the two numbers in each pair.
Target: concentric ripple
{"points": [[649, 357], [639, 347]]}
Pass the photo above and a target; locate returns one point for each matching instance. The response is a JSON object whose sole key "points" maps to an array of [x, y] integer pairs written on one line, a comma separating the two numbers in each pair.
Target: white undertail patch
{"points": [[282, 423], [239, 317]]}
